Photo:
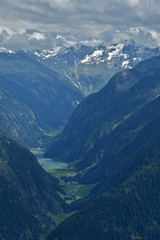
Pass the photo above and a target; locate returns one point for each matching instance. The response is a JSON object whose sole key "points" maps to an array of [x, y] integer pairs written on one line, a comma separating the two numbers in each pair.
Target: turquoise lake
{"points": [[47, 163]]}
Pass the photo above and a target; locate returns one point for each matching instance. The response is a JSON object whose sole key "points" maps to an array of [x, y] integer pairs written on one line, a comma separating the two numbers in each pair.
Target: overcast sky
{"points": [[31, 24]]}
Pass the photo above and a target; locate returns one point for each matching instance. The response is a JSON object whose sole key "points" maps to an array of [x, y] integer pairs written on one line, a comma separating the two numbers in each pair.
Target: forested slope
{"points": [[28, 195]]}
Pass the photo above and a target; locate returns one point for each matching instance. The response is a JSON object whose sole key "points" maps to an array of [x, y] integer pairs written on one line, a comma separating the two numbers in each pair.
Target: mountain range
{"points": [[40, 89], [112, 139], [101, 114], [34, 100], [89, 68]]}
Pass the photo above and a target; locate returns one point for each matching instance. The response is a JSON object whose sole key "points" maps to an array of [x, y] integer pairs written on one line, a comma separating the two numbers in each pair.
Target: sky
{"points": [[43, 24]]}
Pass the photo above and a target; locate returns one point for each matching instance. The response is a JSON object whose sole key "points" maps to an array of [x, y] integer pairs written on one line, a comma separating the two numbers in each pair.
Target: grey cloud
{"points": [[25, 41], [4, 35], [76, 19], [140, 35]]}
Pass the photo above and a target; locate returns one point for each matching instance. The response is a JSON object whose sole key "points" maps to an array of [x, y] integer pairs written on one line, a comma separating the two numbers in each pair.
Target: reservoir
{"points": [[47, 163]]}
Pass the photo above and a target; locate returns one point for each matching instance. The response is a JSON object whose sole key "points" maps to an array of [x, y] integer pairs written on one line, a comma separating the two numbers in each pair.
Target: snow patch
{"points": [[95, 55], [125, 56], [45, 54], [118, 49], [5, 50], [125, 64], [38, 54], [156, 96], [71, 79]]}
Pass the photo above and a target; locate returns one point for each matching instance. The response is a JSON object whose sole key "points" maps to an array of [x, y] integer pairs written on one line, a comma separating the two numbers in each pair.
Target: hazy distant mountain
{"points": [[34, 100], [39, 90], [90, 68]]}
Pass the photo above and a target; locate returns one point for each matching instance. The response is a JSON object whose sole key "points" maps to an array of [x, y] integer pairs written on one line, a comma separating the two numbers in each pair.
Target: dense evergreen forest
{"points": [[29, 202], [124, 161], [111, 142], [127, 211]]}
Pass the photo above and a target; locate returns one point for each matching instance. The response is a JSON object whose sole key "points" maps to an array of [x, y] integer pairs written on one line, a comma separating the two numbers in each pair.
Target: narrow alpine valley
{"points": [[108, 153], [79, 120]]}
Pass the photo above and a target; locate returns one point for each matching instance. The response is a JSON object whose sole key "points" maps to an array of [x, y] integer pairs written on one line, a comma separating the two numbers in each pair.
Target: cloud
{"points": [[36, 35], [133, 2], [140, 35], [61, 4], [26, 41], [75, 20]]}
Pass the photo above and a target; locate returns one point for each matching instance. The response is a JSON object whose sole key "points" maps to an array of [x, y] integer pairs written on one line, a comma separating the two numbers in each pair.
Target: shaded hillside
{"points": [[39, 90], [113, 151], [34, 100], [128, 211], [28, 195], [100, 114], [109, 127]]}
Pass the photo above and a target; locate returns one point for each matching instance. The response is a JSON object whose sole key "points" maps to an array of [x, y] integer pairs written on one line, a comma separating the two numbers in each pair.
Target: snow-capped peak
{"points": [[95, 55], [118, 49], [5, 50], [48, 53]]}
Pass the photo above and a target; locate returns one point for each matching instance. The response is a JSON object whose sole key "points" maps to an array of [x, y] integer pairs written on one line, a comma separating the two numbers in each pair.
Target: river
{"points": [[47, 163]]}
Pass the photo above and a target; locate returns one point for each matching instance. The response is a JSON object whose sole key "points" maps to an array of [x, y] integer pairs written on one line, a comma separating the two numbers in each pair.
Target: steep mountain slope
{"points": [[28, 195], [34, 100], [39, 90], [121, 144], [129, 211], [109, 127], [124, 161], [99, 114], [90, 68]]}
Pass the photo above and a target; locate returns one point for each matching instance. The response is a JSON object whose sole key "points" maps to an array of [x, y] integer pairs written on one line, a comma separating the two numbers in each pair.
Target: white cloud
{"points": [[140, 35], [155, 36], [76, 20], [61, 40], [36, 40], [61, 4], [37, 36], [133, 2]]}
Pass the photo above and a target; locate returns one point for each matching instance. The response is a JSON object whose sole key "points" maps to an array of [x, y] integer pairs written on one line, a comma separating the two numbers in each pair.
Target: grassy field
{"points": [[73, 190], [52, 132]]}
